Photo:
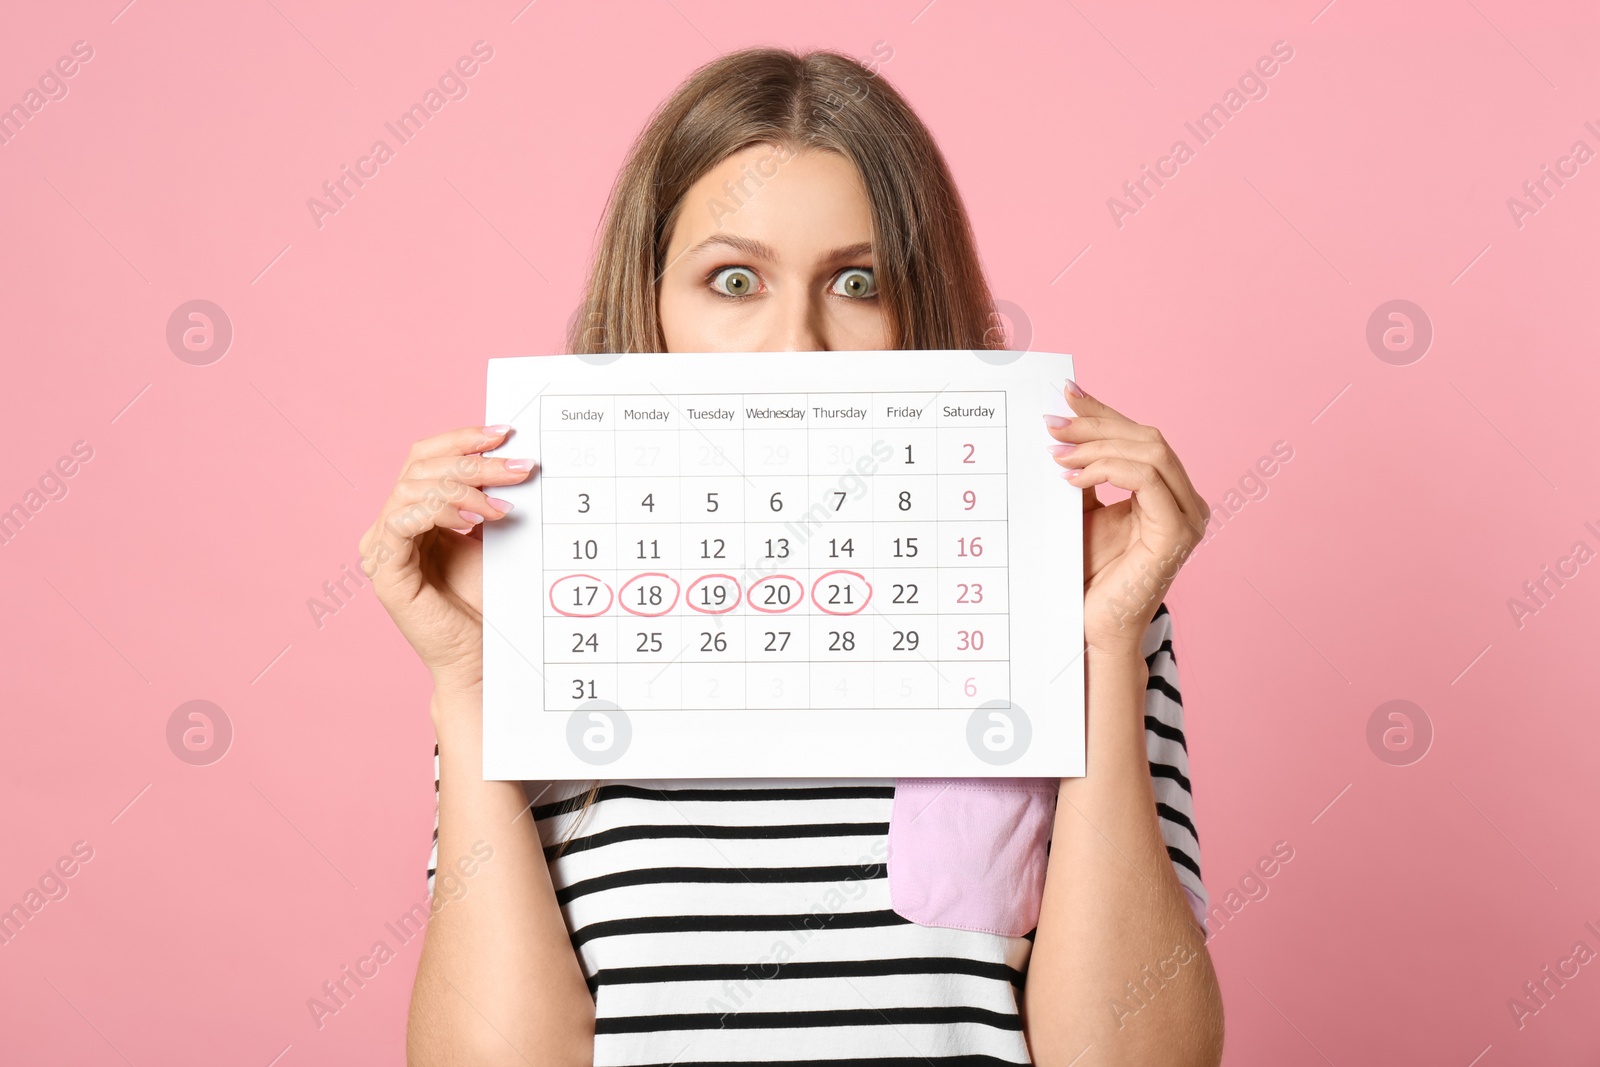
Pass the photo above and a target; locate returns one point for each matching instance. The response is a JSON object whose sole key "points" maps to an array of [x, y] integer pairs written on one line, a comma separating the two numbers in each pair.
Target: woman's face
{"points": [[771, 251]]}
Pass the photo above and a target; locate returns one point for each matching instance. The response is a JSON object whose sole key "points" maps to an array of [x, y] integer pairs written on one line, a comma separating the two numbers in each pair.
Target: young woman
{"points": [[784, 203]]}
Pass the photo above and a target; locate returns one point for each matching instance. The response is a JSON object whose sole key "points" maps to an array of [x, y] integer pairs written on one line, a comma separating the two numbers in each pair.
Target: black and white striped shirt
{"points": [[737, 921]]}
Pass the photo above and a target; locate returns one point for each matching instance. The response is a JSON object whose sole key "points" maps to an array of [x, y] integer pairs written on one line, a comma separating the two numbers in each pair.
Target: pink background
{"points": [[1230, 311]]}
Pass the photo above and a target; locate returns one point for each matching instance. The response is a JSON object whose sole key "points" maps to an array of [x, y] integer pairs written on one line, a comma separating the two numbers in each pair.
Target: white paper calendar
{"points": [[774, 565]]}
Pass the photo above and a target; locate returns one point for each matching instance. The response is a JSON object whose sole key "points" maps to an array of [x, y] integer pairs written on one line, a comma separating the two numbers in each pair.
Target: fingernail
{"points": [[502, 505], [462, 529], [498, 429], [1055, 422], [519, 464], [1072, 472], [472, 518], [1059, 450], [1072, 387]]}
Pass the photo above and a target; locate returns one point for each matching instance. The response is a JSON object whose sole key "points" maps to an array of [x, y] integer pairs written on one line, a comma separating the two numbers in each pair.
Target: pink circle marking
{"points": [[823, 608], [751, 595], [738, 594], [610, 596], [676, 589]]}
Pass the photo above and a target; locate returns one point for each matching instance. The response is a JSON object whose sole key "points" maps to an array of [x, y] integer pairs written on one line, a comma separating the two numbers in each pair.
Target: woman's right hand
{"points": [[424, 553]]}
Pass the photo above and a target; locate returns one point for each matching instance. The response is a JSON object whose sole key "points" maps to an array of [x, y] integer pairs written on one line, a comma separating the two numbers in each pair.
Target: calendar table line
{"points": [[777, 661]]}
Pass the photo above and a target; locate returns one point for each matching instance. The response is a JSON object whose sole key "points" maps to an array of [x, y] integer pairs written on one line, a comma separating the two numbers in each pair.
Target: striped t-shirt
{"points": [[740, 921]]}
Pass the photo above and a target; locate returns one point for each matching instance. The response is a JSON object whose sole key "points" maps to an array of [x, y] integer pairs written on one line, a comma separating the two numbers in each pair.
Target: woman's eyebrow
{"points": [[761, 250]]}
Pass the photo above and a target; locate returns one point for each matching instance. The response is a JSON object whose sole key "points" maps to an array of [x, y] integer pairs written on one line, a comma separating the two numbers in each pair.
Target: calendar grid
{"points": [[810, 681], [683, 646], [739, 622], [642, 631], [1005, 448], [744, 676], [616, 540]]}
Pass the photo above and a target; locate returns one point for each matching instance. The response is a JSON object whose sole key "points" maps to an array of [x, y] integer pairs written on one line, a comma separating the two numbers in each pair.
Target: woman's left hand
{"points": [[1133, 548]]}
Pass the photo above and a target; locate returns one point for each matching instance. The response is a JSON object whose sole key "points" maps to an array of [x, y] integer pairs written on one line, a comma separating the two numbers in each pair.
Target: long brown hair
{"points": [[925, 260]]}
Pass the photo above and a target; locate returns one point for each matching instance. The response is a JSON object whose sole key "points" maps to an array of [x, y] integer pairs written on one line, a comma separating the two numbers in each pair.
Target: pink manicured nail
{"points": [[1072, 472], [1055, 422], [502, 505], [1059, 450], [519, 464], [497, 429], [472, 518], [1072, 387]]}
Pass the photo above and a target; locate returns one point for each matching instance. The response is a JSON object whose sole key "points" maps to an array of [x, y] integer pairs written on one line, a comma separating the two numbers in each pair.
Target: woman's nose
{"points": [[797, 324]]}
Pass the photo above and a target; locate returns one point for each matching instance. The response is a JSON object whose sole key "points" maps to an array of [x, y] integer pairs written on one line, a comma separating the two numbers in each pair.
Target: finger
{"points": [[472, 470], [1155, 453], [1084, 404], [458, 521], [439, 495], [1178, 480], [1073, 456], [1156, 502], [414, 509], [457, 442], [1081, 428]]}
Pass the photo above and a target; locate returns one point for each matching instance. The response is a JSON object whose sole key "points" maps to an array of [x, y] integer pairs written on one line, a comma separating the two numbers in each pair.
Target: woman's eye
{"points": [[733, 281], [856, 282]]}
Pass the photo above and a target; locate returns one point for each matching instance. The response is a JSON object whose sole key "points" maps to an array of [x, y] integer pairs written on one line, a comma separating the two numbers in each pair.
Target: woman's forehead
{"points": [[776, 205]]}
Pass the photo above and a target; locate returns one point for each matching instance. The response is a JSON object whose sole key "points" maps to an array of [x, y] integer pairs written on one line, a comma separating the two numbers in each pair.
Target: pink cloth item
{"points": [[970, 853]]}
